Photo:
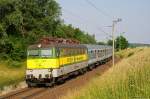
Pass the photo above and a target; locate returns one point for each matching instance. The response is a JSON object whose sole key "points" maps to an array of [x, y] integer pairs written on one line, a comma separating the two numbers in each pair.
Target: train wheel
{"points": [[49, 84], [81, 71], [60, 80], [90, 68], [85, 70], [30, 85]]}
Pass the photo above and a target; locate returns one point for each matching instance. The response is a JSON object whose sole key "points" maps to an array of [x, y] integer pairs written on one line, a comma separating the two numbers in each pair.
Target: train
{"points": [[52, 60]]}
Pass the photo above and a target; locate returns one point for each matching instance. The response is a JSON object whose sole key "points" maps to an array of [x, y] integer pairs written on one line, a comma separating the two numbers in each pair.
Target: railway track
{"points": [[35, 93], [25, 93]]}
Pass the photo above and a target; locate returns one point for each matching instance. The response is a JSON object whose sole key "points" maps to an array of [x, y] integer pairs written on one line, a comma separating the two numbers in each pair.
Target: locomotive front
{"points": [[40, 62]]}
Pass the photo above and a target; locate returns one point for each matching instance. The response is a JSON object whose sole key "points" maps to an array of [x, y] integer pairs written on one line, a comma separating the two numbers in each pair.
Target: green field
{"points": [[128, 79], [11, 74]]}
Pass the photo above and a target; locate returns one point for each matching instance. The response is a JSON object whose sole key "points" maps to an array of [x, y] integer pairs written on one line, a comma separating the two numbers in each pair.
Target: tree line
{"points": [[22, 22]]}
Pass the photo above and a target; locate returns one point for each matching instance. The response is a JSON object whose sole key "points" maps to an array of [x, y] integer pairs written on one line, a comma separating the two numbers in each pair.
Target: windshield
{"points": [[40, 53], [46, 53], [33, 53]]}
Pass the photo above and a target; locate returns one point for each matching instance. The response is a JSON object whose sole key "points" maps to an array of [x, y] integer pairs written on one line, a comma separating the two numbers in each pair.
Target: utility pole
{"points": [[113, 38]]}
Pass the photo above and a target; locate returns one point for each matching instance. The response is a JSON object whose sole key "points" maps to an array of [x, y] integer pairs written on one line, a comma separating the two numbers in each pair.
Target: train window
{"points": [[46, 53], [42, 53], [74, 51], [66, 52], [71, 51], [84, 51], [33, 52], [61, 52], [89, 52], [79, 51], [57, 52]]}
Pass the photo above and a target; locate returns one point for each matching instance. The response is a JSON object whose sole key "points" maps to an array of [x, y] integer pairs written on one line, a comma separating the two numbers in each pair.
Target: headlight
{"points": [[27, 76], [31, 75], [49, 70], [40, 76], [47, 76], [31, 70]]}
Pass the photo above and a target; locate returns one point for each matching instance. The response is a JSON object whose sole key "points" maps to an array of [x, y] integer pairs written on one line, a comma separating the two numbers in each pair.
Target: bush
{"points": [[15, 64], [130, 54]]}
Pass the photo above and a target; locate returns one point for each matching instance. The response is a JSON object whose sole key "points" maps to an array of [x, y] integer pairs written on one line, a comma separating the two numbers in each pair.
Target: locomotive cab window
{"points": [[33, 52], [40, 53], [46, 53]]}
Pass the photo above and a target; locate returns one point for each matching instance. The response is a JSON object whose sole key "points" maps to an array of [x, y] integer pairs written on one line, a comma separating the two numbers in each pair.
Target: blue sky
{"points": [[135, 16]]}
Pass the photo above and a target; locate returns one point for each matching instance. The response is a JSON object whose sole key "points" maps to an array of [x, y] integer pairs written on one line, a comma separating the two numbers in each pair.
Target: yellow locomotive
{"points": [[48, 61]]}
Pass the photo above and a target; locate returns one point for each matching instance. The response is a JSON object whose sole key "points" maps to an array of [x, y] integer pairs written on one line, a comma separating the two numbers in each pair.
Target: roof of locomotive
{"points": [[44, 46], [48, 42]]}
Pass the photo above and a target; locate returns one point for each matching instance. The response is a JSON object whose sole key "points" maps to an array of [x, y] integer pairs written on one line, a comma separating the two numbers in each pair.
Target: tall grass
{"points": [[11, 74], [129, 79]]}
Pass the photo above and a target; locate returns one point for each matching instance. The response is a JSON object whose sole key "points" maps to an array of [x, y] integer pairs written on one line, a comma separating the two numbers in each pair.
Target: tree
{"points": [[68, 31], [20, 17], [121, 43], [101, 43], [110, 42]]}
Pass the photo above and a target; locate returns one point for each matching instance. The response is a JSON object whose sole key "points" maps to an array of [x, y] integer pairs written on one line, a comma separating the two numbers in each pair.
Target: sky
{"points": [[135, 15]]}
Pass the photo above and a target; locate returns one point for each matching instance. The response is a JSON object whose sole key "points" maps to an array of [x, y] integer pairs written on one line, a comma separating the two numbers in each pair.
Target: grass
{"points": [[10, 74], [129, 79], [128, 52]]}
